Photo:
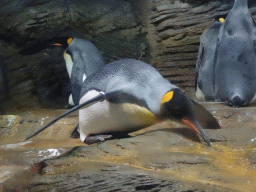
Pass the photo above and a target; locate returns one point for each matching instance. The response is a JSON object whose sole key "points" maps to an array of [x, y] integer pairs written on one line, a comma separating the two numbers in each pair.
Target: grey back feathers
{"points": [[234, 69], [204, 65], [131, 78]]}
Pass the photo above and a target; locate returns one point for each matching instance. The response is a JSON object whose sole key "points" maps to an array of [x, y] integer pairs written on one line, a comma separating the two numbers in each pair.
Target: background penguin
{"points": [[235, 69], [82, 59], [133, 95], [204, 85]]}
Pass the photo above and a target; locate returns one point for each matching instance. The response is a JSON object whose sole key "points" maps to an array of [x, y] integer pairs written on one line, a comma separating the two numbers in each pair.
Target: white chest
{"points": [[69, 63], [105, 117]]}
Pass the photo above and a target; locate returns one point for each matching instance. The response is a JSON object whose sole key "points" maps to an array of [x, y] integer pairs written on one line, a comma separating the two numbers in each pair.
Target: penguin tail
{"points": [[100, 97]]}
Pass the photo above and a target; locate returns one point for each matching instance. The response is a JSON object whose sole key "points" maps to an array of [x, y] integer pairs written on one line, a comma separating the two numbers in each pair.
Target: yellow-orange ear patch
{"points": [[69, 41], [167, 97], [221, 20]]}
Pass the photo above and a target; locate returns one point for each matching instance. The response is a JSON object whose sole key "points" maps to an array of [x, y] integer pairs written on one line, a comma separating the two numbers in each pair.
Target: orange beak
{"points": [[197, 128], [57, 44], [189, 124]]}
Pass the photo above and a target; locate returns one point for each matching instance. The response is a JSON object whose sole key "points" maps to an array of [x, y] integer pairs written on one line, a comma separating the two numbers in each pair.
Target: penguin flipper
{"points": [[204, 117], [100, 97], [199, 62]]}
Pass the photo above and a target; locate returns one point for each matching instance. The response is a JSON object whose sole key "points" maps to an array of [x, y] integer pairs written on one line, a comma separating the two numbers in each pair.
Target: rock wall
{"points": [[29, 29], [177, 27], [164, 33]]}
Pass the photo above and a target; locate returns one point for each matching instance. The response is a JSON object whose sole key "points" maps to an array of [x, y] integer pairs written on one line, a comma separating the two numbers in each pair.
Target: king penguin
{"points": [[82, 59], [204, 85], [128, 95], [235, 57]]}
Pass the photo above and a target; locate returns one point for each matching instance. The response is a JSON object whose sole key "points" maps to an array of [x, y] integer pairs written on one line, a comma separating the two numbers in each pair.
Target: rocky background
{"points": [[164, 33]]}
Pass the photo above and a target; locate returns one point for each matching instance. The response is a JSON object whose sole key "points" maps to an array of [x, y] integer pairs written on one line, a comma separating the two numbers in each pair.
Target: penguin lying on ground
{"points": [[129, 95], [204, 67], [82, 59], [234, 69]]}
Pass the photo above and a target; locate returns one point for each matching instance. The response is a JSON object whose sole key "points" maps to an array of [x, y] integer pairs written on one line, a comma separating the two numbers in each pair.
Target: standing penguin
{"points": [[129, 95], [204, 66], [82, 59], [235, 57]]}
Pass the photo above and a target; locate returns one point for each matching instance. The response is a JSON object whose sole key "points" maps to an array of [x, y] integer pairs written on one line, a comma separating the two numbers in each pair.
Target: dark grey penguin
{"points": [[128, 95], [82, 59], [235, 58], [204, 66]]}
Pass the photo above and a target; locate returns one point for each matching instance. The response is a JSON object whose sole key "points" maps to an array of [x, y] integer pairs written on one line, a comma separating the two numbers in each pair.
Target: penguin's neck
{"points": [[241, 3]]}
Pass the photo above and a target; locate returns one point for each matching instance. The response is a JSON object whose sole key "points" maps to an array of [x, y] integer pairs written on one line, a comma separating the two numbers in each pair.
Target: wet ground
{"points": [[165, 157]]}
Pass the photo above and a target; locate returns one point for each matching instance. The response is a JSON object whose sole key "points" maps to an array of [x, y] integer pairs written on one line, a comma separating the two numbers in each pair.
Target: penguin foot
{"points": [[96, 139], [75, 134]]}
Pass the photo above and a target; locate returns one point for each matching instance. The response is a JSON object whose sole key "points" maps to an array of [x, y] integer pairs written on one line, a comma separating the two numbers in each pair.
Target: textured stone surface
{"points": [[177, 29], [29, 30], [164, 33], [164, 157]]}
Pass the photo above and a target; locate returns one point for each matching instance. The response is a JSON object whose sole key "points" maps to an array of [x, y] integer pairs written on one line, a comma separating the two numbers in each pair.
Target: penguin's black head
{"points": [[236, 101], [63, 42], [177, 105]]}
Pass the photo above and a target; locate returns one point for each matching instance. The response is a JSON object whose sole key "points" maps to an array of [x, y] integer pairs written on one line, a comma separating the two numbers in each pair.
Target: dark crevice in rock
{"points": [[29, 30]]}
